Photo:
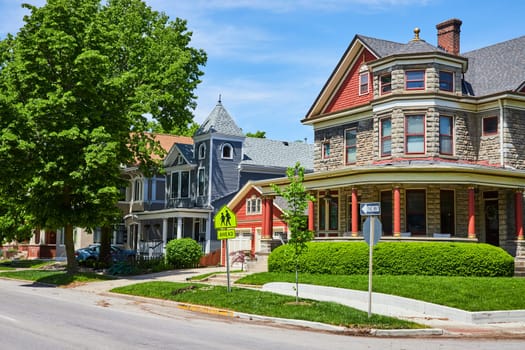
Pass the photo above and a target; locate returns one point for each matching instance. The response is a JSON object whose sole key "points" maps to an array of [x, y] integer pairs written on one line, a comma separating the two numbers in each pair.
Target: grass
{"points": [[206, 275], [33, 264], [466, 293], [59, 278], [263, 303]]}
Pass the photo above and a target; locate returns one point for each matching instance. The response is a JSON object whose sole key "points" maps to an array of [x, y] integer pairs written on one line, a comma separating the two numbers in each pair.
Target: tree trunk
{"points": [[72, 264], [105, 246]]}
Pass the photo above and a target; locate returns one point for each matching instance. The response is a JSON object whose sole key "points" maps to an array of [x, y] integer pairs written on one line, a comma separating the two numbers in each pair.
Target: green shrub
{"points": [[183, 253], [397, 258]]}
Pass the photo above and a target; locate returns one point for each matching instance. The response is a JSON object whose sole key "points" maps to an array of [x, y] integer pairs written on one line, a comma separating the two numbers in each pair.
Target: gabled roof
{"points": [[497, 68], [279, 154], [219, 121], [380, 48]]}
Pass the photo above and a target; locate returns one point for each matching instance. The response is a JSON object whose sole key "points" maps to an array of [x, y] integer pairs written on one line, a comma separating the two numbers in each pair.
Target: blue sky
{"points": [[269, 59]]}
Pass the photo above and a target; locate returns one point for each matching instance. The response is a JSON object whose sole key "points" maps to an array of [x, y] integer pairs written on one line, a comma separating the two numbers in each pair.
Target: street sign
{"points": [[373, 208], [225, 234], [372, 225], [225, 218]]}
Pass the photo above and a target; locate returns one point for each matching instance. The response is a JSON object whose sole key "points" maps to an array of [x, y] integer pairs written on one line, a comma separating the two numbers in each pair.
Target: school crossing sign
{"points": [[225, 222]]}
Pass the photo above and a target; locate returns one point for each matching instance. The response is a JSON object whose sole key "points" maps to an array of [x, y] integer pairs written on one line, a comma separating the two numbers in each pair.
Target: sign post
{"points": [[225, 222], [372, 229]]}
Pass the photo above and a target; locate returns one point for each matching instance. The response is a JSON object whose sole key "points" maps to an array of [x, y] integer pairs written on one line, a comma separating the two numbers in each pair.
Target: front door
{"points": [[491, 219]]}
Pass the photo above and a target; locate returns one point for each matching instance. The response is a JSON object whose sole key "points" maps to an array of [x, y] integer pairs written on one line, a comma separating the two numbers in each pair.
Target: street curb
{"points": [[285, 321]]}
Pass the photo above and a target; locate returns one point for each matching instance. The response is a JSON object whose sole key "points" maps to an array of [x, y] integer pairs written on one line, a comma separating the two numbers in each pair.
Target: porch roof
{"points": [[421, 174], [202, 213]]}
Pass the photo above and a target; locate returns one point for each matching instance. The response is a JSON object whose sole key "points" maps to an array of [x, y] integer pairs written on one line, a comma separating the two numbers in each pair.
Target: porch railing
{"points": [[151, 249]]}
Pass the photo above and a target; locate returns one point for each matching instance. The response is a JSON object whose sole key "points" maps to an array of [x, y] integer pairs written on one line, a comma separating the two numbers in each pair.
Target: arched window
{"points": [[202, 151], [227, 151]]}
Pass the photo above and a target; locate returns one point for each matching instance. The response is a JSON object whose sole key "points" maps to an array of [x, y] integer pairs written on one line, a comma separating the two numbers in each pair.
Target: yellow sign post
{"points": [[225, 222]]}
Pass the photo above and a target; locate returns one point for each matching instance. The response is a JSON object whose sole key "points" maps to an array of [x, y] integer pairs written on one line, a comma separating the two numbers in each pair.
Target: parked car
{"points": [[88, 255]]}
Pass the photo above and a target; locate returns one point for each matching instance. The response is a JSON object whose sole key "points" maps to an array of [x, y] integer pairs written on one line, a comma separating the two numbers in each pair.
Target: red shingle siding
{"points": [[348, 94]]}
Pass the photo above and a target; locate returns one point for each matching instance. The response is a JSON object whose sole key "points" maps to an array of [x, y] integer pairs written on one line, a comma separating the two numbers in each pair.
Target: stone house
{"points": [[433, 135]]}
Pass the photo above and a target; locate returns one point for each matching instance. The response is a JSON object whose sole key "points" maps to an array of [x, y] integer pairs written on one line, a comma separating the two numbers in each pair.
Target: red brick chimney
{"points": [[448, 35]]}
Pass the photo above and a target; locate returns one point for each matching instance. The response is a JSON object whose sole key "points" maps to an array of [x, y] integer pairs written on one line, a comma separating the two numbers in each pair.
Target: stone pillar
{"points": [[519, 214], [310, 215], [471, 213], [397, 212], [355, 216]]}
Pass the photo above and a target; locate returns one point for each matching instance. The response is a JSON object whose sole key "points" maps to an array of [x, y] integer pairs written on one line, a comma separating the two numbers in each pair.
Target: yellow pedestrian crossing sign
{"points": [[225, 218]]}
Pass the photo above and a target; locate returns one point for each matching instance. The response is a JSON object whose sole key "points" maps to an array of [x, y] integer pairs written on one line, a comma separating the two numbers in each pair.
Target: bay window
{"points": [[415, 134]]}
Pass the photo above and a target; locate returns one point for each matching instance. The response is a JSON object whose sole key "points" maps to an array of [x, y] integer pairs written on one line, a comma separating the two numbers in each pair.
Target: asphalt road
{"points": [[36, 317]]}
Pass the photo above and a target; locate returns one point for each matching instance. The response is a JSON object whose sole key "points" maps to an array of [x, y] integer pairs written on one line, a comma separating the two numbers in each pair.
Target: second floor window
{"points": [[446, 81], [180, 184], [350, 145], [202, 182], [363, 83], [415, 80], [415, 134], [253, 205], [386, 137], [385, 84], [445, 135], [490, 126], [137, 190], [202, 151], [326, 150]]}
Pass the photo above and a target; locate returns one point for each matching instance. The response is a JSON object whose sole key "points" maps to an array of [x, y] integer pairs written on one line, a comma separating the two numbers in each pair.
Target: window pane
{"points": [[386, 127], [415, 144], [174, 185], [351, 137], [386, 147], [333, 214], [322, 215], [490, 125], [415, 79], [386, 81], [446, 81], [415, 125], [445, 126], [350, 155], [185, 184]]}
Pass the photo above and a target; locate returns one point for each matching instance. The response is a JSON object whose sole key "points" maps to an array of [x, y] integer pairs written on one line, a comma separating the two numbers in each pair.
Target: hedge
{"points": [[397, 258]]}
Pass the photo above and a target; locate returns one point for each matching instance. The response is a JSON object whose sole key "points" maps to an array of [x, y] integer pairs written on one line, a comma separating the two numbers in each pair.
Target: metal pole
{"points": [[371, 247], [228, 263]]}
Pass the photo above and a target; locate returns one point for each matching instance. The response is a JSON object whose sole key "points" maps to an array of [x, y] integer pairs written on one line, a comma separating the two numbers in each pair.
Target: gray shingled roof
{"points": [[380, 47], [273, 153], [496, 68], [219, 121]]}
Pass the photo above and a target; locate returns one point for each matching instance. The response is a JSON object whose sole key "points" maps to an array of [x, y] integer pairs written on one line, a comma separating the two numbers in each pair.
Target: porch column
{"points": [[179, 228], [164, 234], [471, 213], [397, 212], [355, 215], [519, 214], [267, 218], [310, 215]]}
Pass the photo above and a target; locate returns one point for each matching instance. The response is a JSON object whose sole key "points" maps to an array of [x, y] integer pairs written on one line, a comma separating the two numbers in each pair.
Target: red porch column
{"points": [[471, 213], [355, 213], [519, 214], [397, 212], [310, 215], [253, 243], [267, 218]]}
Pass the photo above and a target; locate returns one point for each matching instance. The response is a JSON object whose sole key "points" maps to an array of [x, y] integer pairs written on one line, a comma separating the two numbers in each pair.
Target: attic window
{"points": [[227, 151], [202, 151], [180, 159], [363, 83]]}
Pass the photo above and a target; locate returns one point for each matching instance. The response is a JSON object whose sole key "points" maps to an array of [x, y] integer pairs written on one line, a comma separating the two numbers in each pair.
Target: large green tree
{"points": [[78, 83]]}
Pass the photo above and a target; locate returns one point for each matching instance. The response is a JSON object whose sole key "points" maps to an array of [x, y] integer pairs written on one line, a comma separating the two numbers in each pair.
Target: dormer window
{"points": [[202, 151], [180, 159], [363, 83], [415, 80], [227, 151], [446, 81], [385, 82]]}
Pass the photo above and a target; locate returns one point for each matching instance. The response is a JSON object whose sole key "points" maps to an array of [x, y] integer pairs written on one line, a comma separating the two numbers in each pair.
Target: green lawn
{"points": [[263, 303], [59, 278], [34, 264], [467, 293]]}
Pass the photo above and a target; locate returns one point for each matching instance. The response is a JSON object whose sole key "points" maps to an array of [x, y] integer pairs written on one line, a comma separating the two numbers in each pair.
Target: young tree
{"points": [[294, 216], [78, 82]]}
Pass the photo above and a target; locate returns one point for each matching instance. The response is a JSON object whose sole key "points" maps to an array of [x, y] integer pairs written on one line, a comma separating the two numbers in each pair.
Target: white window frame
{"points": [[179, 184], [202, 151], [362, 84], [224, 147], [201, 185], [250, 202]]}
